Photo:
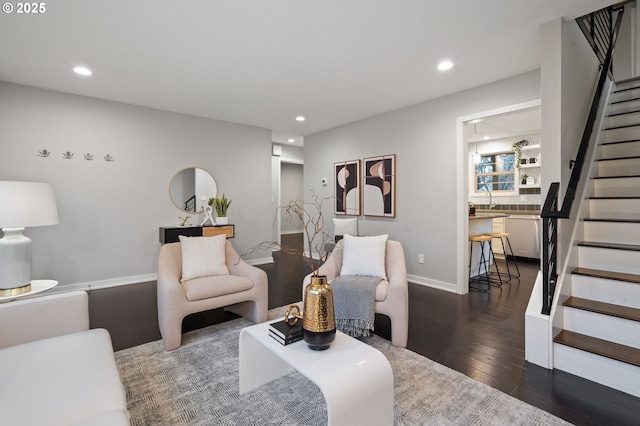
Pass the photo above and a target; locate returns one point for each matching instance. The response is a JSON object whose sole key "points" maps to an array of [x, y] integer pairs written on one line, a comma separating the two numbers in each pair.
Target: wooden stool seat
{"points": [[499, 234], [505, 236], [480, 238]]}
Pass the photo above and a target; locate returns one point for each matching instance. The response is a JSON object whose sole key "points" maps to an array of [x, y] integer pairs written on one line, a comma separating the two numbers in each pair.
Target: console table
{"points": [[170, 234], [355, 378]]}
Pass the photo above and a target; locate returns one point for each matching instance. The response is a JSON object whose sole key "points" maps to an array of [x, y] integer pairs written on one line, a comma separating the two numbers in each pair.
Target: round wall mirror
{"points": [[191, 188]]}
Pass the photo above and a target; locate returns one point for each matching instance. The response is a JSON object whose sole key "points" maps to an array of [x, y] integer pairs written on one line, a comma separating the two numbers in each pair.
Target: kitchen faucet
{"points": [[491, 205]]}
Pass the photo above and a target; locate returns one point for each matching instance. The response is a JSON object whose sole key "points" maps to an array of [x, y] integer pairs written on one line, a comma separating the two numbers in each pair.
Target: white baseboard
{"points": [[300, 231], [440, 285]]}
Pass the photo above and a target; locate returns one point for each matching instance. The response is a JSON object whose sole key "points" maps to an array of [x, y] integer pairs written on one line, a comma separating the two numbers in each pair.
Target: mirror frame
{"points": [[208, 195]]}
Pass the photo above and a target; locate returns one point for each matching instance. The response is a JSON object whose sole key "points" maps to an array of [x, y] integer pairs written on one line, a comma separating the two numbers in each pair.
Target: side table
{"points": [[37, 286]]}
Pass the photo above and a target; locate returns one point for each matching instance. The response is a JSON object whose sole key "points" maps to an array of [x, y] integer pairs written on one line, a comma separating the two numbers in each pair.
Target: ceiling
{"points": [[262, 63], [515, 123]]}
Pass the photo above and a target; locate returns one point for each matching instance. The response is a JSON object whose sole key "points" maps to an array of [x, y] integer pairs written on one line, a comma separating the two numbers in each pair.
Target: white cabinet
{"points": [[497, 226]]}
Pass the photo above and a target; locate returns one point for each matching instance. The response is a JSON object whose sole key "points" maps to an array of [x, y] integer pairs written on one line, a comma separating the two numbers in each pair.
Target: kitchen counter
{"points": [[487, 216]]}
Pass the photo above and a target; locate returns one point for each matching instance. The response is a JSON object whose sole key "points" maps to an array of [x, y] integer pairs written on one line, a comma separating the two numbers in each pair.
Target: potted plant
{"points": [[523, 179], [221, 205], [517, 149]]}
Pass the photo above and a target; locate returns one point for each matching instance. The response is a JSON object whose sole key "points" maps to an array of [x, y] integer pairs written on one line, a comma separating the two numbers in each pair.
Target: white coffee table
{"points": [[355, 379]]}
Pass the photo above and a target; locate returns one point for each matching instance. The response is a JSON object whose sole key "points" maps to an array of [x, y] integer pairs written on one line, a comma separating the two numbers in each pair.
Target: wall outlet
{"points": [[421, 258]]}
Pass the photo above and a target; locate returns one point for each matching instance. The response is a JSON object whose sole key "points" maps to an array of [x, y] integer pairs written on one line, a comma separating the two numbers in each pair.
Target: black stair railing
{"points": [[602, 26], [190, 204]]}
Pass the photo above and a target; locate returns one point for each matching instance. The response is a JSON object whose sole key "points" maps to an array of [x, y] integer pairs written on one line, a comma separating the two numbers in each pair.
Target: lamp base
{"points": [[7, 292]]}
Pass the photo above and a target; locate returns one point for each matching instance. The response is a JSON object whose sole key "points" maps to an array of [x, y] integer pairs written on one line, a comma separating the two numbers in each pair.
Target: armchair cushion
{"points": [[365, 256], [203, 257], [214, 286]]}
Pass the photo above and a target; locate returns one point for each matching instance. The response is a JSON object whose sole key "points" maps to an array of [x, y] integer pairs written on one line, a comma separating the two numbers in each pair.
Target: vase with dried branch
{"points": [[318, 317]]}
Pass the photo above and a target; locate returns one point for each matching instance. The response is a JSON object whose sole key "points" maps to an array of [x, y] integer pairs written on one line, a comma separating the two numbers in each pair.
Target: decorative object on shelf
{"points": [[221, 205], [185, 220], [208, 216], [379, 189], [44, 153], [67, 155], [472, 209], [523, 179], [531, 180], [347, 187], [533, 160], [108, 158], [24, 204], [88, 156], [517, 149]]}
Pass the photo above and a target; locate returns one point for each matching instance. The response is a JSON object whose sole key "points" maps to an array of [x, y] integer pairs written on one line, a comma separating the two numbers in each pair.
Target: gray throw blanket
{"points": [[354, 298]]}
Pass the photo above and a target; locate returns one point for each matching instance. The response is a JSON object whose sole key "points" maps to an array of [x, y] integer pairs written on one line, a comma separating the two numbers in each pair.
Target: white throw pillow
{"points": [[345, 226], [203, 256], [364, 256]]}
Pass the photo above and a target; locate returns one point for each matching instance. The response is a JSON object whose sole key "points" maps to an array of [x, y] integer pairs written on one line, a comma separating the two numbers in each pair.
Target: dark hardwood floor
{"points": [[478, 334], [482, 336]]}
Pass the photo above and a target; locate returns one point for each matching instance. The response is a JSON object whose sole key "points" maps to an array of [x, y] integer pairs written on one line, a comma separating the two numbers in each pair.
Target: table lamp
{"points": [[22, 204]]}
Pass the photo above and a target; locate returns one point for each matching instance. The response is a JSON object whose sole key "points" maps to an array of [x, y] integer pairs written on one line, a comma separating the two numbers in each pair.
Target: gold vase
{"points": [[319, 320]]}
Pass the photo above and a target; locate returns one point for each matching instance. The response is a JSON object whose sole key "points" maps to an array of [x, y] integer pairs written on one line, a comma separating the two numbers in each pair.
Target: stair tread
{"points": [[616, 246], [630, 157], [605, 219], [603, 308], [616, 177], [622, 126], [619, 142], [610, 275], [599, 347], [618, 197], [616, 114]]}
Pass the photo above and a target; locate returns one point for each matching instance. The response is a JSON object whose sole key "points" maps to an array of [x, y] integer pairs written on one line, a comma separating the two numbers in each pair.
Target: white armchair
{"points": [[392, 298], [244, 291]]}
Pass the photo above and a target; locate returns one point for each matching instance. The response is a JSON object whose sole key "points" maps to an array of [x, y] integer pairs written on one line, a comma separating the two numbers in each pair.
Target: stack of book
{"points": [[285, 333]]}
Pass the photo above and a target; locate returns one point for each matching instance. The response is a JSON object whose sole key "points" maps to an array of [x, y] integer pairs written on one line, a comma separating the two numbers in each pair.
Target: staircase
{"points": [[600, 340]]}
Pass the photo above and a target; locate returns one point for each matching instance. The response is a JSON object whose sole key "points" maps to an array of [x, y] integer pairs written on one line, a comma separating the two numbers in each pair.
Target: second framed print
{"points": [[379, 186]]}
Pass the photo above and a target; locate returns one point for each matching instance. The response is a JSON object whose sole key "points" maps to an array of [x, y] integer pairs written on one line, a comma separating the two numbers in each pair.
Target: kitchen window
{"points": [[495, 172]]}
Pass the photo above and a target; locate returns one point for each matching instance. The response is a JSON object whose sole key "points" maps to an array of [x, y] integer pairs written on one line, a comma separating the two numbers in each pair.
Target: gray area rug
{"points": [[197, 384]]}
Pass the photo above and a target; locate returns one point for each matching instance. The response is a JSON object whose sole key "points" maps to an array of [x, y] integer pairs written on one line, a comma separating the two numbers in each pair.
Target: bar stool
{"points": [[505, 236], [482, 239]]}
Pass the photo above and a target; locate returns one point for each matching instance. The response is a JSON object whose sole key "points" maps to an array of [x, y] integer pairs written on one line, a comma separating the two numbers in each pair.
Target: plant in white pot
{"points": [[221, 205]]}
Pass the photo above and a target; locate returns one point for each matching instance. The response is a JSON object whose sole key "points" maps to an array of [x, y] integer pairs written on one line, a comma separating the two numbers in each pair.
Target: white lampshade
{"points": [[22, 204], [27, 204]]}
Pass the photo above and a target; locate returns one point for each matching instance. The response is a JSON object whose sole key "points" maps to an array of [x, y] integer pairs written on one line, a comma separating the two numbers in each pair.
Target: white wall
{"points": [[424, 139], [110, 211], [291, 189]]}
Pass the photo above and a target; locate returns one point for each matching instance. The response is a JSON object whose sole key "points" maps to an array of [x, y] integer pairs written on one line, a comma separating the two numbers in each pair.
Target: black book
{"points": [[282, 341], [286, 331]]}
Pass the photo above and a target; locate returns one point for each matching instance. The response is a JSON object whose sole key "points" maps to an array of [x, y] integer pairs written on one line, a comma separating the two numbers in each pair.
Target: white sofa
{"points": [[53, 369]]}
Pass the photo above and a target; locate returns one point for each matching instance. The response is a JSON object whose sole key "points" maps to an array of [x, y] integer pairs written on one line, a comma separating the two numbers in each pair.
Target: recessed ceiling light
{"points": [[445, 65], [291, 140], [486, 138], [477, 120], [300, 118], [82, 71]]}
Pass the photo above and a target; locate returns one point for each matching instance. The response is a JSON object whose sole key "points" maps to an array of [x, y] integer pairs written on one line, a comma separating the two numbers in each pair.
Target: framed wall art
{"points": [[347, 184], [379, 186]]}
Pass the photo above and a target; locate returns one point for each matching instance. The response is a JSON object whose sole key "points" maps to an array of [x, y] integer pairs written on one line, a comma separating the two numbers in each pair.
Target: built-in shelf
{"points": [[530, 147], [530, 166]]}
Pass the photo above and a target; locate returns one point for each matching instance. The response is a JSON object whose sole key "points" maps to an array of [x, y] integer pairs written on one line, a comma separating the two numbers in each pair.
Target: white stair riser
{"points": [[627, 84], [607, 291], [617, 150], [615, 374], [611, 232], [626, 94], [609, 260], [619, 187], [622, 134], [624, 167], [622, 119], [624, 106], [616, 208], [605, 327]]}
